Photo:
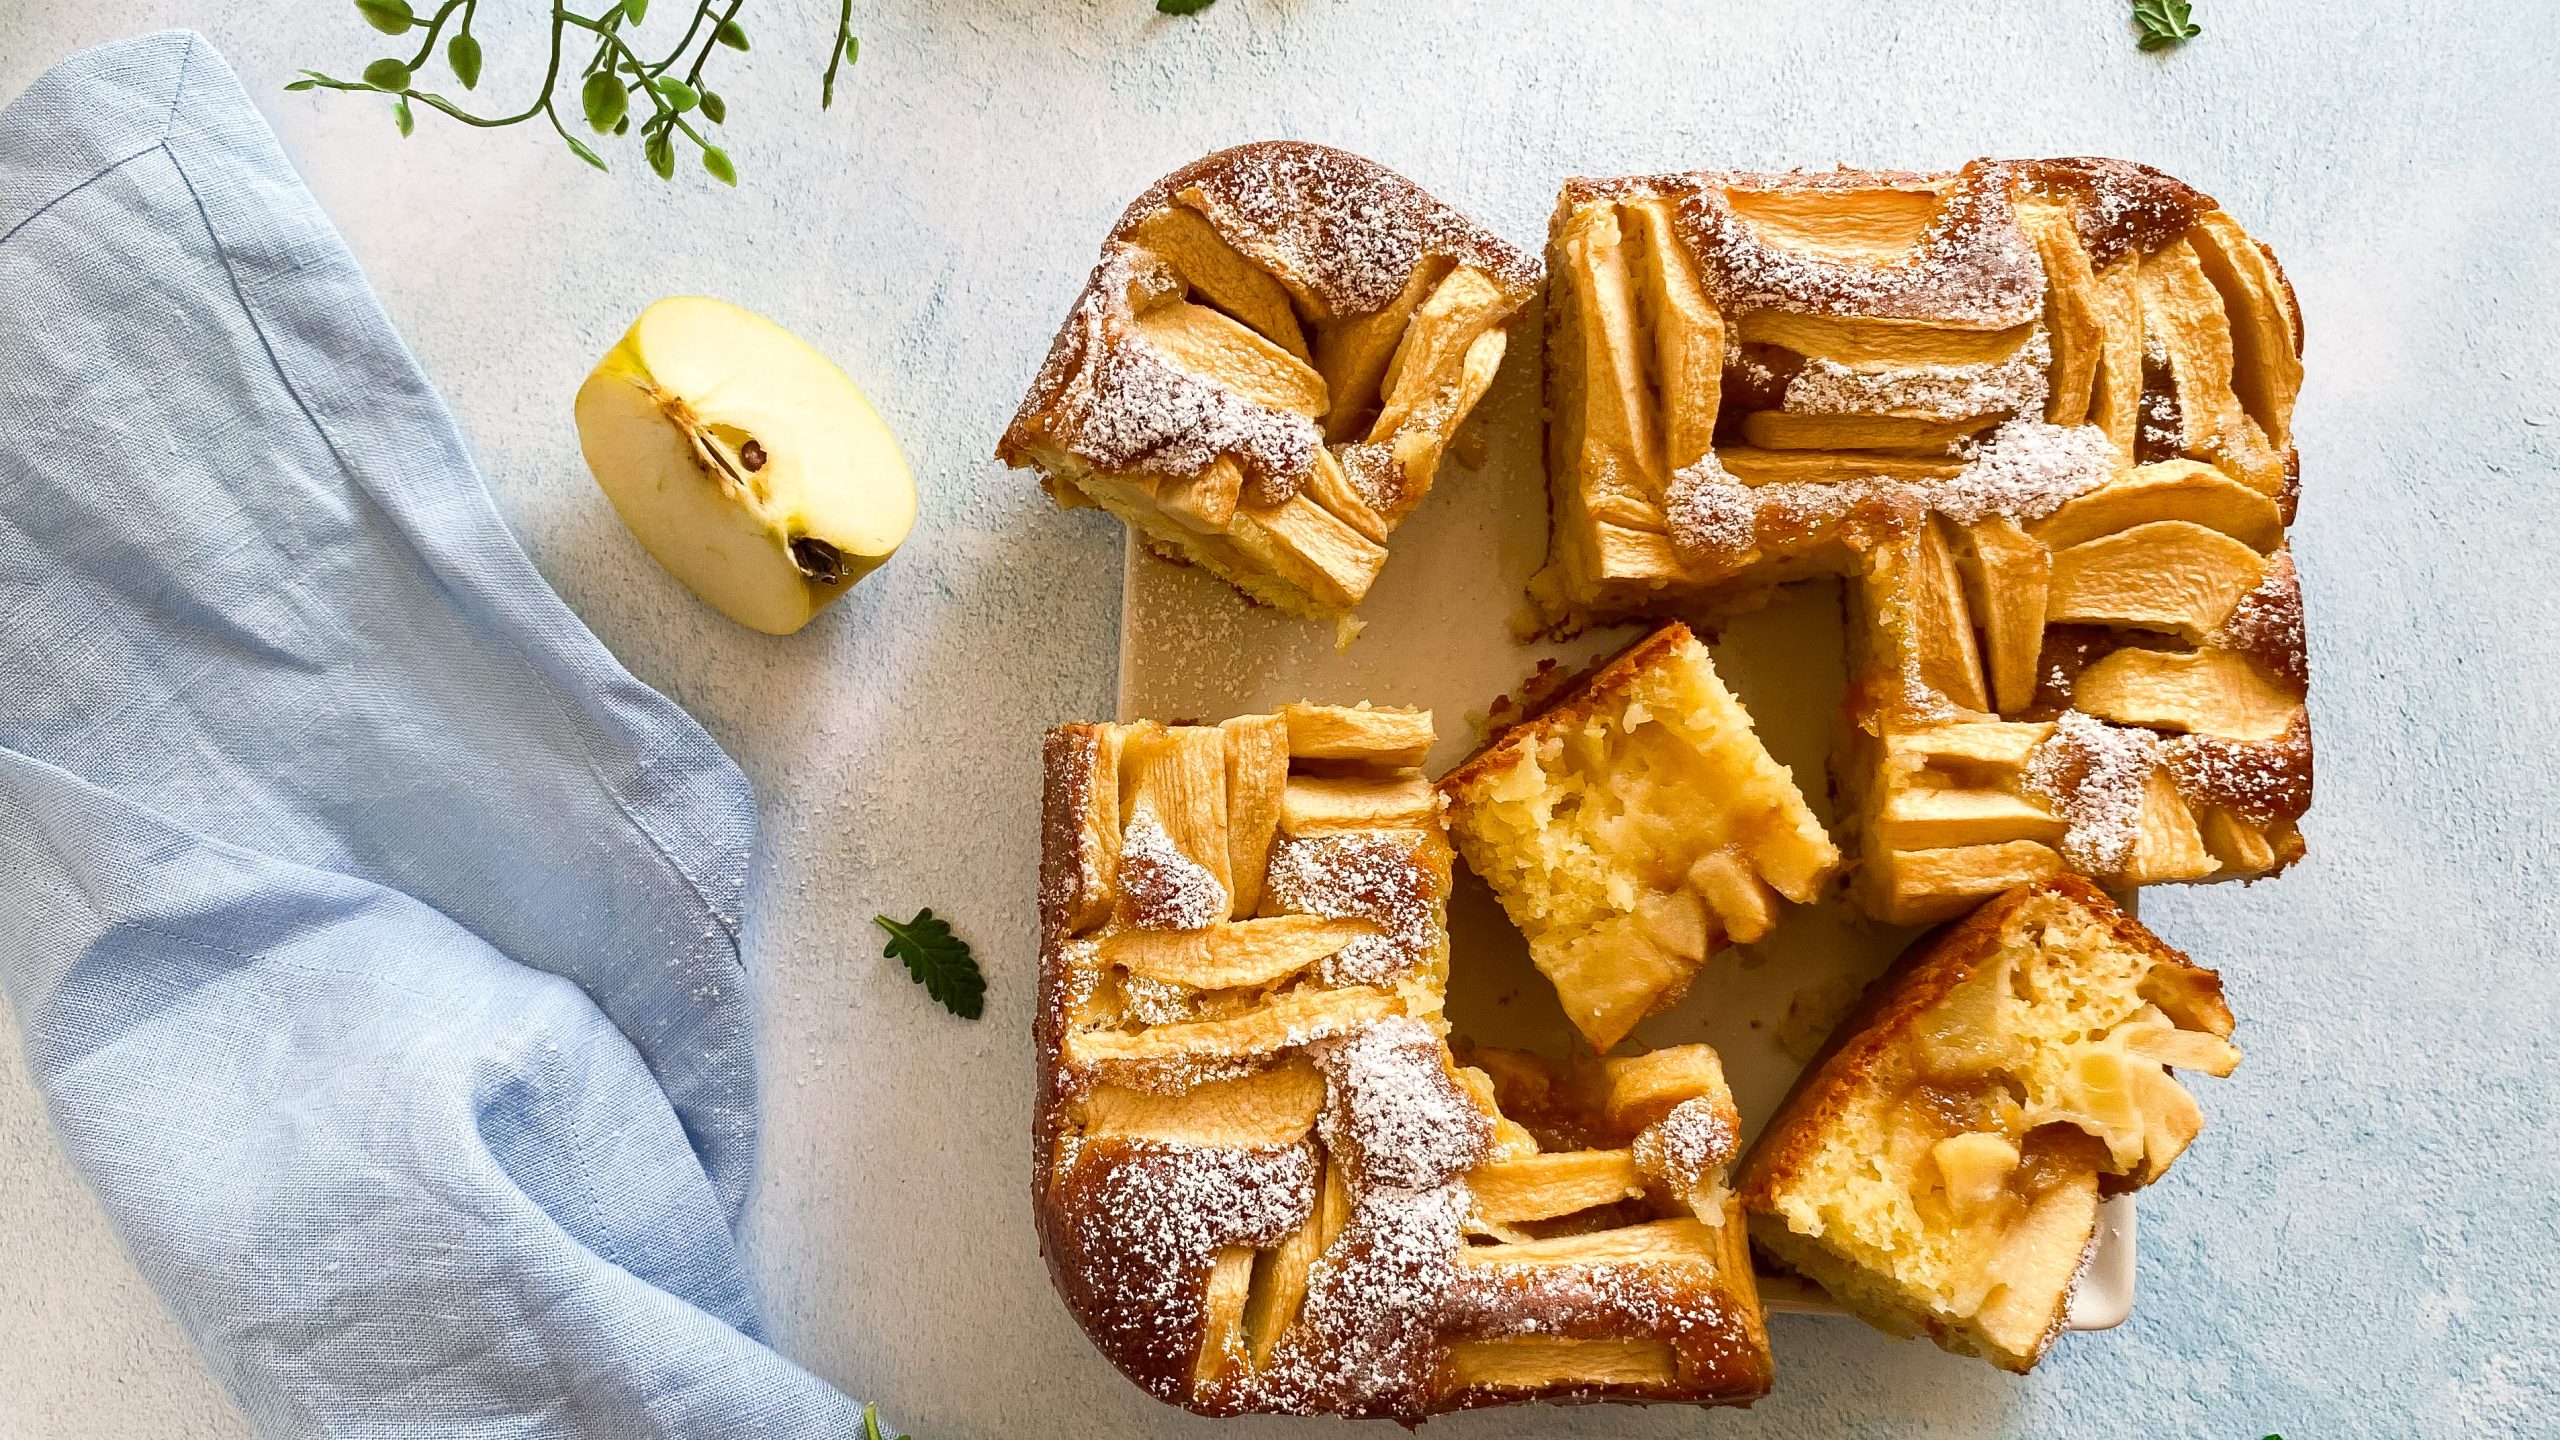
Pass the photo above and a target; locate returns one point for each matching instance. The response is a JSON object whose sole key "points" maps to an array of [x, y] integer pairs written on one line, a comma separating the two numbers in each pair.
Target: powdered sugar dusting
{"points": [[1375, 1306], [2093, 774], [1345, 231], [2025, 470], [1392, 1113], [2267, 623], [1149, 1218], [1160, 887], [1379, 878], [1973, 267], [1117, 404], [2014, 386], [1691, 1146], [2260, 781]]}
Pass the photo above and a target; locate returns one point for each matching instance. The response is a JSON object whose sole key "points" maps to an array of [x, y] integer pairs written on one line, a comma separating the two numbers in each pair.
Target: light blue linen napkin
{"points": [[374, 935]]}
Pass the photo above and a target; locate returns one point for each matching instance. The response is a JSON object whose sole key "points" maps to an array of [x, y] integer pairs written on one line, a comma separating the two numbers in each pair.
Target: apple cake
{"points": [[1263, 1183], [2039, 414], [1632, 824], [1267, 364], [1938, 1168]]}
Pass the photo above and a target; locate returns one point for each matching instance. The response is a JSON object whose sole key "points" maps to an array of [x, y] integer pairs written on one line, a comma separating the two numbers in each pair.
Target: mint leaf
{"points": [[937, 960], [2164, 23]]}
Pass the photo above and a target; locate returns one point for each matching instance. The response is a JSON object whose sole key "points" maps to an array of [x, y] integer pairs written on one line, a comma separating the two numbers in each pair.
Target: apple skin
{"points": [[747, 464]]}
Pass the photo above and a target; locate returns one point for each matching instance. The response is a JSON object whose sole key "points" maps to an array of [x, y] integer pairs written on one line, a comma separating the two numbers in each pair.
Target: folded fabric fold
{"points": [[374, 935]]}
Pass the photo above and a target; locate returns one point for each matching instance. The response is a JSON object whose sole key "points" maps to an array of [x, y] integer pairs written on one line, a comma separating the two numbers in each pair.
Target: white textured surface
{"points": [[2361, 1242]]}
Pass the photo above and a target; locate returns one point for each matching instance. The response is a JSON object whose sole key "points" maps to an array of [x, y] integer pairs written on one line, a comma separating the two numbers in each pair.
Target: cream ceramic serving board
{"points": [[1439, 635]]}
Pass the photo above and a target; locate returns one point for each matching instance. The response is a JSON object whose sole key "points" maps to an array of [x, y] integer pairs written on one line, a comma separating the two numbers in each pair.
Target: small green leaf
{"points": [[935, 958], [303, 85], [661, 151], [391, 17], [731, 34], [716, 160], [2165, 23], [604, 100], [679, 96], [463, 54], [401, 117], [622, 126], [388, 75], [586, 154], [638, 10], [715, 109], [852, 49], [1182, 7]]}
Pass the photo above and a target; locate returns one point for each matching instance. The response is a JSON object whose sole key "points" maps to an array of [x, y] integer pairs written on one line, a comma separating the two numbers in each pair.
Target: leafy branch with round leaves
{"points": [[618, 89]]}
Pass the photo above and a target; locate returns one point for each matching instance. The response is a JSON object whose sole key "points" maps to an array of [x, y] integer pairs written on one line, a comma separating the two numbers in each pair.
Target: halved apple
{"points": [[744, 461]]}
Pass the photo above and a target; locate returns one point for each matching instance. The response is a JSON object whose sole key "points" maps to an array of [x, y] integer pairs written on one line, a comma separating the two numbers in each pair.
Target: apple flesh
{"points": [[744, 461]]}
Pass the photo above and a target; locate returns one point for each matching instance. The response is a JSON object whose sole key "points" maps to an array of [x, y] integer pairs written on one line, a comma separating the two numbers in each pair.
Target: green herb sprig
{"points": [[937, 960], [2164, 23], [667, 87]]}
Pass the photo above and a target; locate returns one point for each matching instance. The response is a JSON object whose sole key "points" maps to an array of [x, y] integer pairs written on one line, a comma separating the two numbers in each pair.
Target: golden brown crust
{"points": [[1573, 701]]}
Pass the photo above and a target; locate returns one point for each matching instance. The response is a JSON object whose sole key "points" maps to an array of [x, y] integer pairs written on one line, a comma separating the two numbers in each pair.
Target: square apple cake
{"points": [[1264, 1183], [1632, 824], [1938, 1167], [1262, 374], [2039, 414]]}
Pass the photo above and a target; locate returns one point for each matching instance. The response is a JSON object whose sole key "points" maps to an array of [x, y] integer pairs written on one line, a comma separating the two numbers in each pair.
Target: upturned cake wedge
{"points": [[1938, 1168]]}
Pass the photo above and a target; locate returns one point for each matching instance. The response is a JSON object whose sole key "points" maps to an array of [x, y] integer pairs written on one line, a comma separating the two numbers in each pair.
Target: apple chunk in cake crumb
{"points": [[1938, 1169], [1634, 826]]}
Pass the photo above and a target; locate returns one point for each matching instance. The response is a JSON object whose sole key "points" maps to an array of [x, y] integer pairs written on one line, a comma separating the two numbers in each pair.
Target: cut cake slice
{"points": [[1633, 826], [1938, 1168]]}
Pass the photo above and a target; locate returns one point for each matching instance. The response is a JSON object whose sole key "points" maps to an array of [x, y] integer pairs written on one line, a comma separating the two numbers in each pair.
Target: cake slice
{"points": [[1261, 376], [1631, 827], [1938, 1168]]}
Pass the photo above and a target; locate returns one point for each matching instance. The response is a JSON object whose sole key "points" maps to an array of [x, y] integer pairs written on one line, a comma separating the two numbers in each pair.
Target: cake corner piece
{"points": [[1264, 1183], [1274, 351]]}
